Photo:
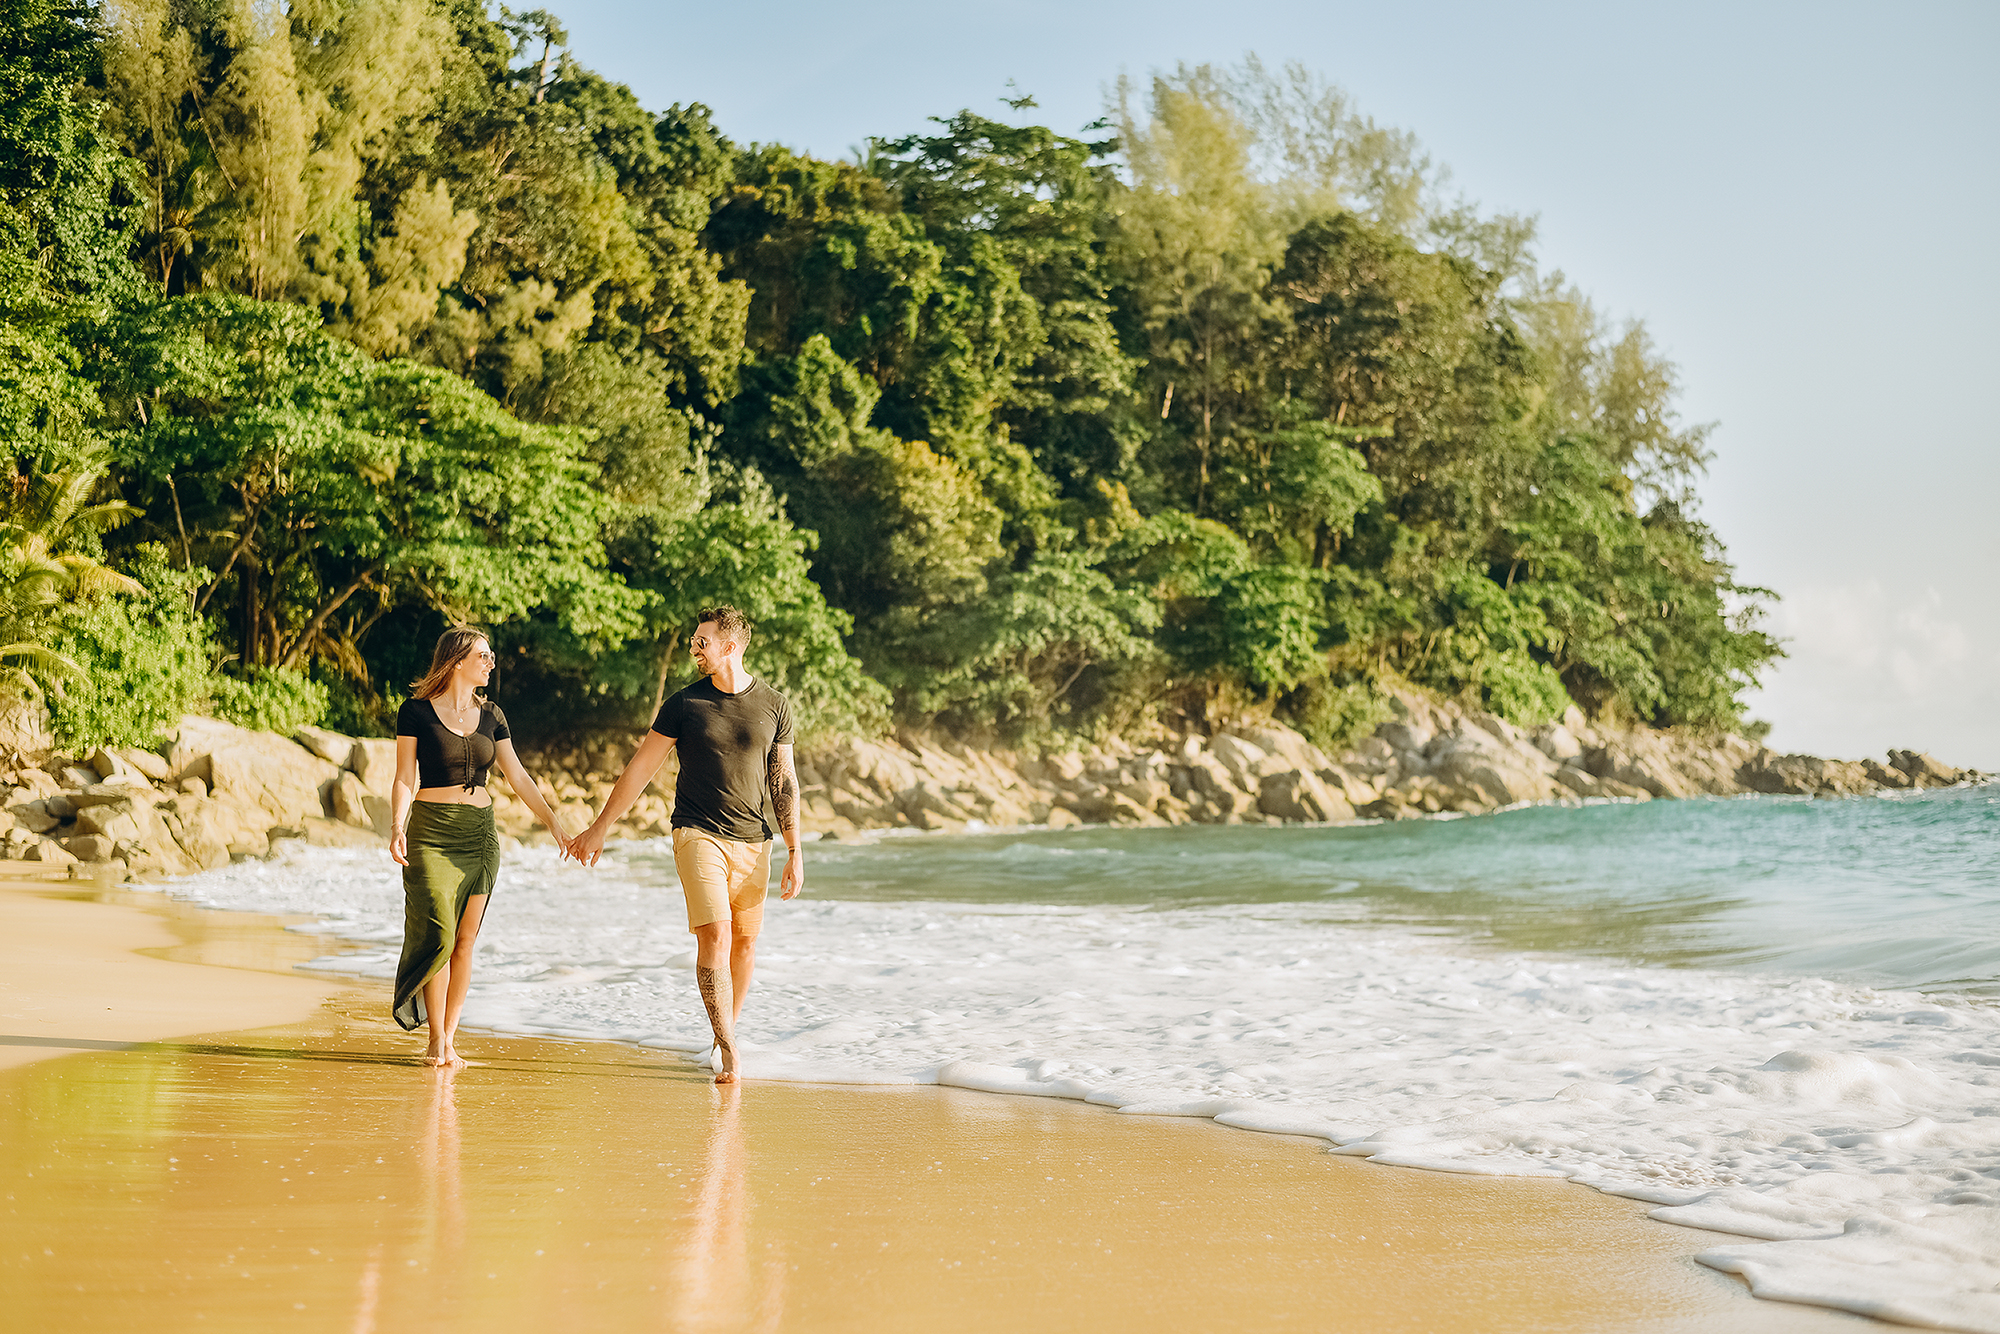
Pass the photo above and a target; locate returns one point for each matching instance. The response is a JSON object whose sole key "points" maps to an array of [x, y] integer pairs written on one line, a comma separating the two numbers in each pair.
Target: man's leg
{"points": [[749, 882], [713, 947], [742, 961]]}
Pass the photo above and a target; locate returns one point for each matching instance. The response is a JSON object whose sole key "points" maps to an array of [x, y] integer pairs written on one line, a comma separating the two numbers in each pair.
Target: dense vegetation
{"points": [[327, 324]]}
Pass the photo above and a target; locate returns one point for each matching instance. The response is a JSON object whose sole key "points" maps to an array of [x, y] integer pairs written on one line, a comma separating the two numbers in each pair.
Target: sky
{"points": [[1798, 199]]}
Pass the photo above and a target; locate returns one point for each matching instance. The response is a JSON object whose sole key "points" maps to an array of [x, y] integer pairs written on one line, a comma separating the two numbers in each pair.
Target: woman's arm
{"points": [[524, 787], [400, 797]]}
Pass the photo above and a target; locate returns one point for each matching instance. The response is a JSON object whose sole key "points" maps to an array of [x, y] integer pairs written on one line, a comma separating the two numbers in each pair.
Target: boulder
{"points": [[92, 847], [1357, 788], [1302, 797], [1287, 745], [1883, 776], [1121, 809], [1580, 781], [49, 851], [1146, 794], [40, 783], [145, 762], [324, 833], [350, 802], [1482, 768], [332, 747], [1645, 769], [1409, 737], [1803, 776], [250, 842], [76, 775], [24, 724], [1558, 743], [254, 769], [1244, 761], [120, 823], [1924, 770], [1586, 784], [110, 764], [205, 831], [60, 806], [107, 794], [373, 760], [34, 817]]}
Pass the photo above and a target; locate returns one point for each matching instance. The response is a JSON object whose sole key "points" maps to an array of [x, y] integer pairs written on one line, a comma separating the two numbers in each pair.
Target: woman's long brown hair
{"points": [[452, 647]]}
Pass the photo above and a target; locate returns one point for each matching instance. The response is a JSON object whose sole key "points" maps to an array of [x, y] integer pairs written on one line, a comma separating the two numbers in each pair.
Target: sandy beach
{"points": [[284, 1162]]}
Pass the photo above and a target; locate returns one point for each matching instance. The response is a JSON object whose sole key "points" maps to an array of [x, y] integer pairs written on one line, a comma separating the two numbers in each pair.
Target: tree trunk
{"points": [[253, 620], [660, 682], [333, 605]]}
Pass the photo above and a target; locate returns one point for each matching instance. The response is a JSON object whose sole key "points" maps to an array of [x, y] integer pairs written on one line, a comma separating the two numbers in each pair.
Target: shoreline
{"points": [[931, 1185], [217, 793]]}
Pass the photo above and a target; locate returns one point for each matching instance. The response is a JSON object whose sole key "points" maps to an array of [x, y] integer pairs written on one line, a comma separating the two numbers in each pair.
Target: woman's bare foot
{"points": [[435, 1055]]}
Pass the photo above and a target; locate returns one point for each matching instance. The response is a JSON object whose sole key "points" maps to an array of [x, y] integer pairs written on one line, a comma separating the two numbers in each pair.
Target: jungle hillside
{"points": [[326, 325]]}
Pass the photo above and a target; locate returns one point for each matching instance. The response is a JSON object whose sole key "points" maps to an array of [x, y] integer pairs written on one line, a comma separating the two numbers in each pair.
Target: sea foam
{"points": [[1855, 1133]]}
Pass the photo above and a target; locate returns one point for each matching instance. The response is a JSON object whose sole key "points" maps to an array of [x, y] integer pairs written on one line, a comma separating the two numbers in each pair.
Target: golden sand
{"points": [[314, 1177]]}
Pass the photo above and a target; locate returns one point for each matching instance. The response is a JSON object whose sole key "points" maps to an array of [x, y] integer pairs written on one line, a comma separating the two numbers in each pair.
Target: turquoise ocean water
{"points": [[1899, 891]]}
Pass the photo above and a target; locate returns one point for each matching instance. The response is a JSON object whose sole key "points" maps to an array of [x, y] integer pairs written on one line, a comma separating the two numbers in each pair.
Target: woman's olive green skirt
{"points": [[454, 853]]}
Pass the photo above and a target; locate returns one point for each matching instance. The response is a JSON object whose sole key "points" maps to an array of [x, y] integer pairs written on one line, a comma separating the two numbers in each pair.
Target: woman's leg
{"points": [[459, 969], [435, 990]]}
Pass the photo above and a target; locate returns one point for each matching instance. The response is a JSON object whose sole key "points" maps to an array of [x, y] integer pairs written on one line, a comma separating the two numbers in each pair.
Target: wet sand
{"points": [[313, 1176], [84, 966]]}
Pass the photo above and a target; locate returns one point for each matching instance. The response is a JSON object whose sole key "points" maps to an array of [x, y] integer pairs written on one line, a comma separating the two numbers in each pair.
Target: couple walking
{"points": [[737, 782]]}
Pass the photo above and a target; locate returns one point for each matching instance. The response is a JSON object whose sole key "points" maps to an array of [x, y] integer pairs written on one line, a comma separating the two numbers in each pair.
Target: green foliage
{"points": [[148, 656], [270, 700], [990, 427], [1334, 717]]}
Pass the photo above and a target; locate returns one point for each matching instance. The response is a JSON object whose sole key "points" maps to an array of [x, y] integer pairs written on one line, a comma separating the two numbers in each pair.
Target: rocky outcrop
{"points": [[215, 793], [218, 792]]}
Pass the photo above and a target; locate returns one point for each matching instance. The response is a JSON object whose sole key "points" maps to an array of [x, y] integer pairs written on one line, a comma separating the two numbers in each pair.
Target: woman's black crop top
{"points": [[444, 758]]}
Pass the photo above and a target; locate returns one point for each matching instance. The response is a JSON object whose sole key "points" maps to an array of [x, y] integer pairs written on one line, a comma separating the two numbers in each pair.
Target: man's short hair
{"points": [[733, 624]]}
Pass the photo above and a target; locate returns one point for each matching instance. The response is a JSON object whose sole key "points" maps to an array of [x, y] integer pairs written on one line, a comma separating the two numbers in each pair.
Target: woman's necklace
{"points": [[461, 716]]}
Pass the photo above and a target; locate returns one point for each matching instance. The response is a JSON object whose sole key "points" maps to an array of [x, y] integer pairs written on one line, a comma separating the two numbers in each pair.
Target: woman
{"points": [[447, 737]]}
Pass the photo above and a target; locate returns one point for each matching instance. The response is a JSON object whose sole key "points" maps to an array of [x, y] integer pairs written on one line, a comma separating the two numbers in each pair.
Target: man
{"points": [[736, 781]]}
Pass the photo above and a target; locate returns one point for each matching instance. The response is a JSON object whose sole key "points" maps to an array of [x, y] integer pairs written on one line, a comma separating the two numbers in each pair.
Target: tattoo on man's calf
{"points": [[714, 985]]}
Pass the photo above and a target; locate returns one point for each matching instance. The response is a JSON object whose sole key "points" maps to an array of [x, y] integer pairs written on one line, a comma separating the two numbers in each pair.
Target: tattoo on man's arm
{"points": [[784, 791]]}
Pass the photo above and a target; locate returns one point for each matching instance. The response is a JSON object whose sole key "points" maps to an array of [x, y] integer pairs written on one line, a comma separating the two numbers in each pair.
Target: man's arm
{"points": [[639, 771], [784, 779]]}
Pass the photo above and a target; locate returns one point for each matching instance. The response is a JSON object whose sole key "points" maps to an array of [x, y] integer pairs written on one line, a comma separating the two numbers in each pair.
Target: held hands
{"points": [[589, 845]]}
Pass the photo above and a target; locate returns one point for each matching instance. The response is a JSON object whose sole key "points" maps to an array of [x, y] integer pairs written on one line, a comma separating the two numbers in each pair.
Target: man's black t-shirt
{"points": [[725, 744]]}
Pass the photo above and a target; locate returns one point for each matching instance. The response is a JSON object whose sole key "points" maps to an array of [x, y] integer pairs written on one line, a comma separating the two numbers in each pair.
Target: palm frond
{"points": [[89, 579], [44, 657]]}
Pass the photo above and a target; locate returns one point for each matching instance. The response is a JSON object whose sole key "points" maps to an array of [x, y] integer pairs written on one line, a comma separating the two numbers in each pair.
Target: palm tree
{"points": [[39, 518]]}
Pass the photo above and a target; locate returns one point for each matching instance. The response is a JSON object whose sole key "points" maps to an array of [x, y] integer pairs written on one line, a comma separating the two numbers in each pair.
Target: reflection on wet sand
{"points": [[301, 1180], [717, 1285]]}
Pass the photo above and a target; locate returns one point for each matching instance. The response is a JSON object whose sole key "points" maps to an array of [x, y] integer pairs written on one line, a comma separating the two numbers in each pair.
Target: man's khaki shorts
{"points": [[725, 881]]}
